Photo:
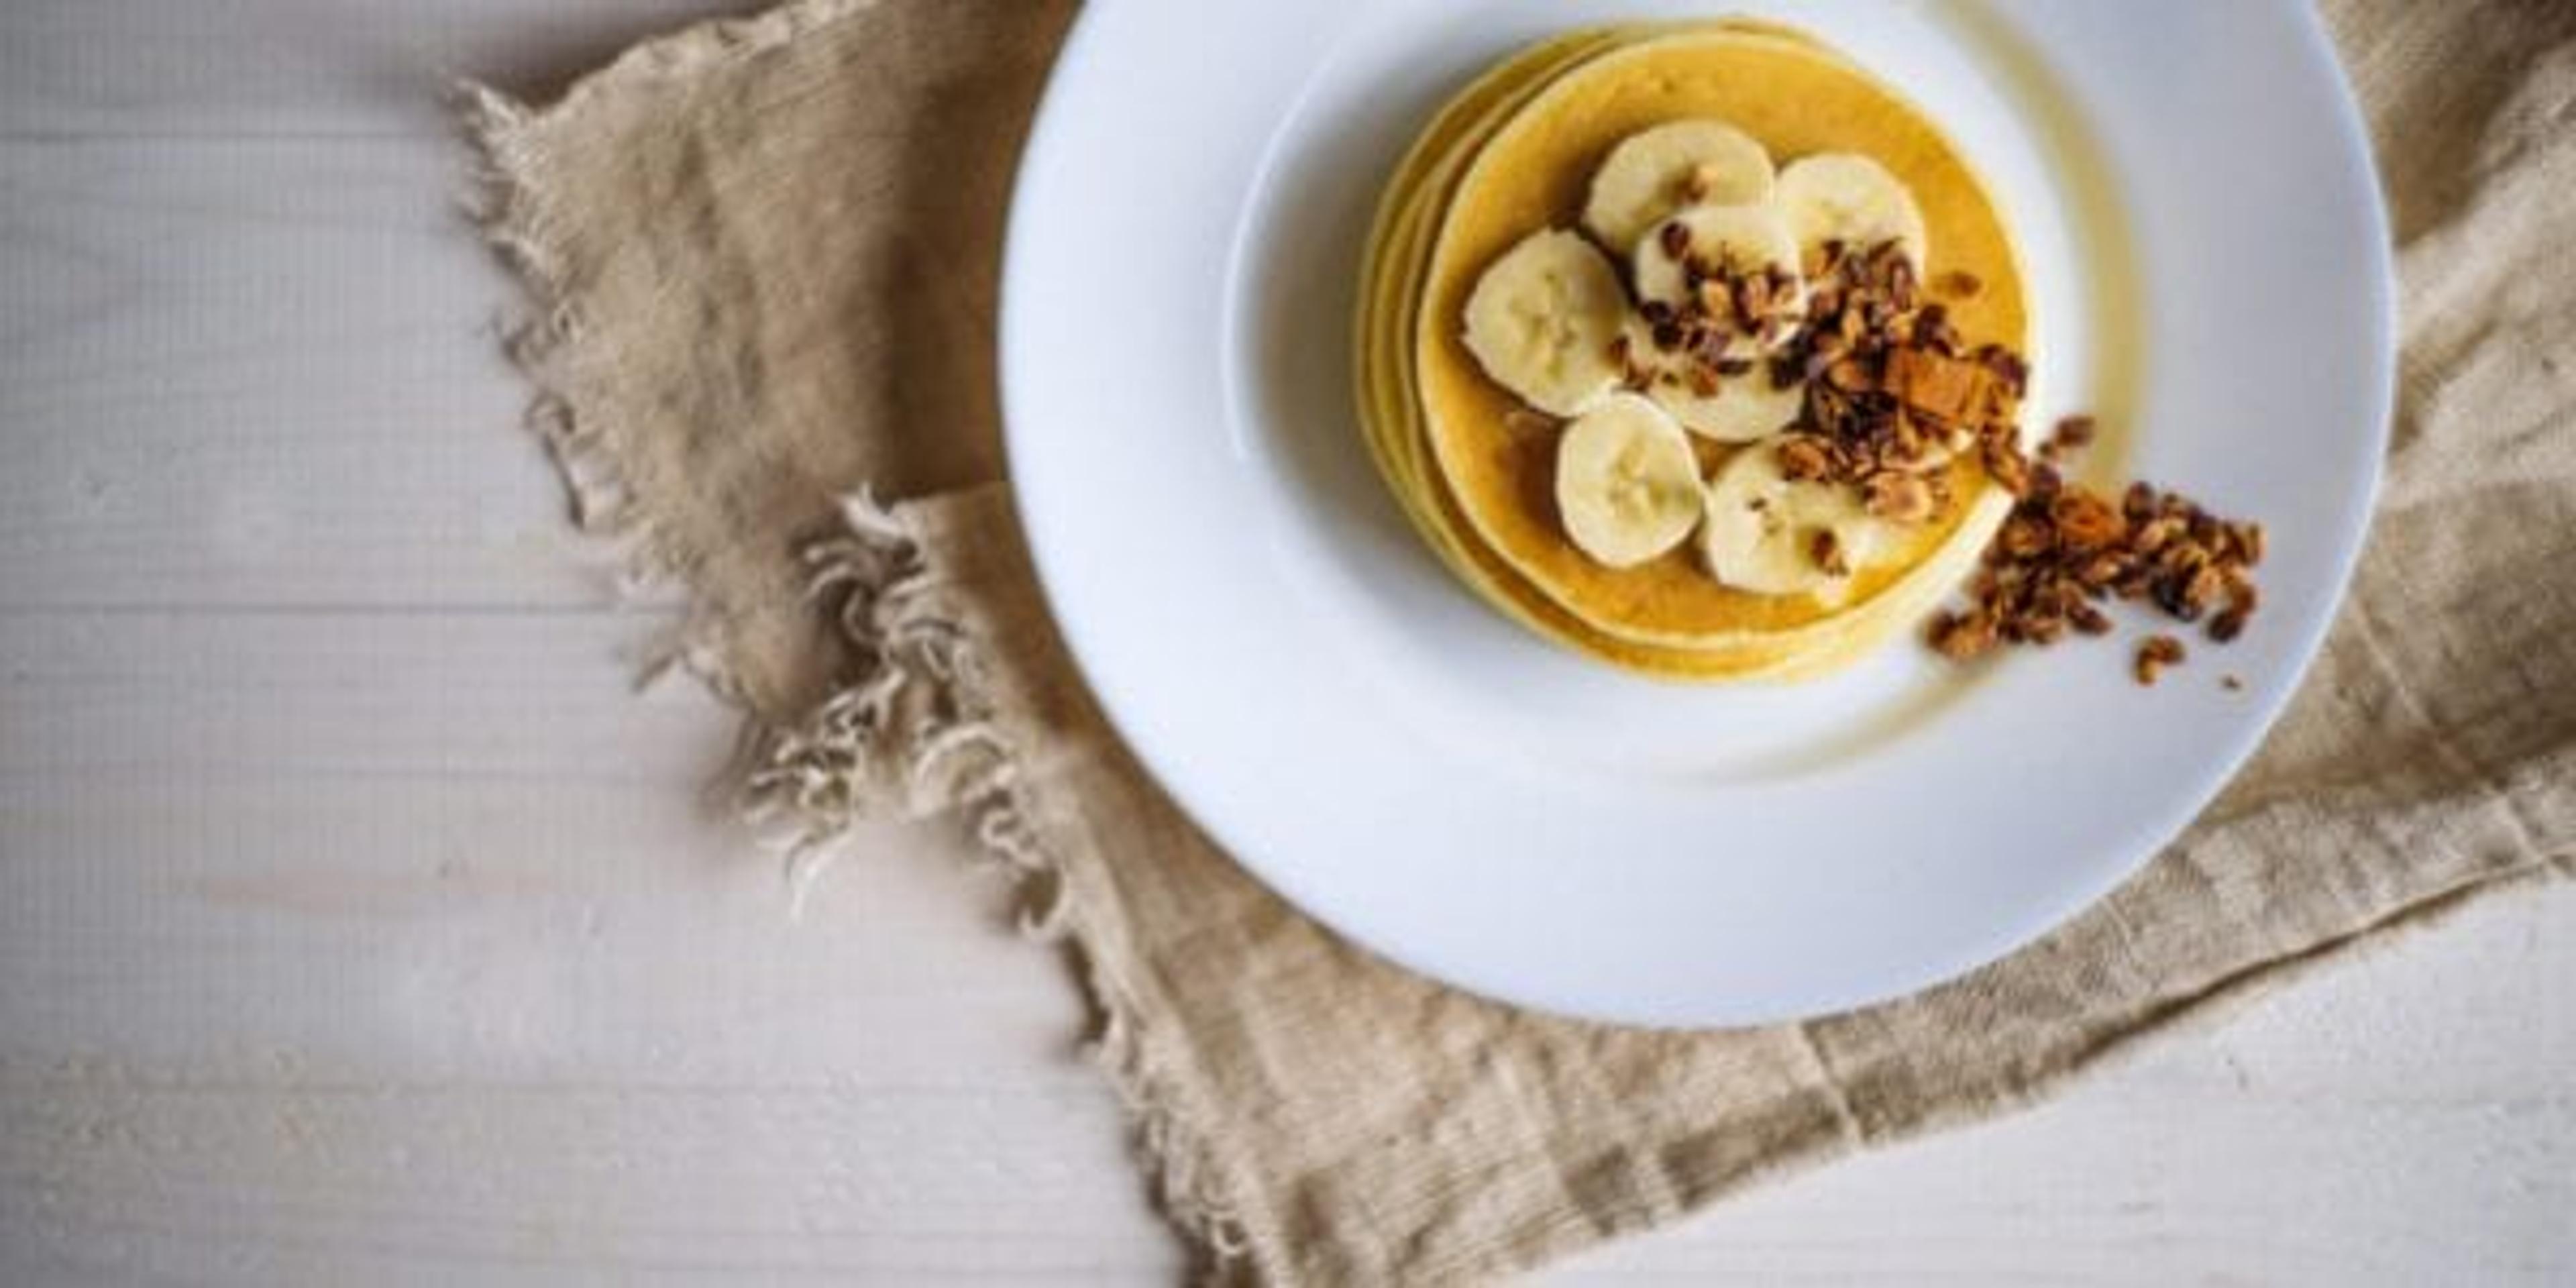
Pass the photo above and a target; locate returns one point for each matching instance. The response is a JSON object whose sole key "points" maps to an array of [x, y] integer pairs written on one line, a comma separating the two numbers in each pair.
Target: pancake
{"points": [[1407, 221], [1400, 247], [1514, 153]]}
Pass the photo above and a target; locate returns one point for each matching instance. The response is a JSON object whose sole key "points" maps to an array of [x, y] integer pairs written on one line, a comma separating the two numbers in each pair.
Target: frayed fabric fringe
{"points": [[914, 733]]}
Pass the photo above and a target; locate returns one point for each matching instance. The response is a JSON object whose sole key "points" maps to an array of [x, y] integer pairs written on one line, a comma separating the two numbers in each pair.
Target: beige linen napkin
{"points": [[762, 257]]}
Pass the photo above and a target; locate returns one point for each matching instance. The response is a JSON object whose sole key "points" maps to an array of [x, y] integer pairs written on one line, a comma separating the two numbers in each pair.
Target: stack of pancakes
{"points": [[1513, 154]]}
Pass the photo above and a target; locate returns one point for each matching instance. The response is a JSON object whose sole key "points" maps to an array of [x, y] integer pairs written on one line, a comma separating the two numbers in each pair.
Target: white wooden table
{"points": [[358, 923]]}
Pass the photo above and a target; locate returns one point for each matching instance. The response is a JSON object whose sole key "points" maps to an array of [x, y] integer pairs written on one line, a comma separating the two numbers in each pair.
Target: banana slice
{"points": [[1847, 197], [1542, 320], [1771, 536], [1744, 408], [1744, 239], [1655, 172], [1627, 485]]}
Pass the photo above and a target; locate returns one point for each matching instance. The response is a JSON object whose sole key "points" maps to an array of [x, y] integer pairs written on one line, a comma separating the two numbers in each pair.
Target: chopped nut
{"points": [[2023, 537], [2007, 366], [2074, 432], [2208, 586], [1675, 238], [1803, 458], [1827, 550], [1897, 497], [1962, 638], [2225, 627], [2005, 466], [2103, 570], [2157, 534], [1900, 275], [2168, 595], [1709, 348], [1753, 300], [2085, 521], [2249, 542], [2157, 653], [1905, 440]]}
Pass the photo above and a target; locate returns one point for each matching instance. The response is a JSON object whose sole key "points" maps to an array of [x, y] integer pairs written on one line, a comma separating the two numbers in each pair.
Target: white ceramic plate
{"points": [[1446, 789]]}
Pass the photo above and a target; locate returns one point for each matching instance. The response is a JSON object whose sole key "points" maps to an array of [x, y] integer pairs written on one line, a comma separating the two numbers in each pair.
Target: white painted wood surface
{"points": [[358, 923]]}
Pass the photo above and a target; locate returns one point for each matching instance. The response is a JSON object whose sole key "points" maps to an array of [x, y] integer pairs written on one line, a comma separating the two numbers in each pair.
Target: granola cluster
{"points": [[2066, 550], [1698, 339], [1892, 392]]}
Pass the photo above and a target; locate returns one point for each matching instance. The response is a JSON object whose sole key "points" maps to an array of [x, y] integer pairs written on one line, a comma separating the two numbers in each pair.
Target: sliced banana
{"points": [[1744, 239], [1627, 484], [1744, 408], [1772, 536], [1847, 197], [1542, 320], [1655, 172]]}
